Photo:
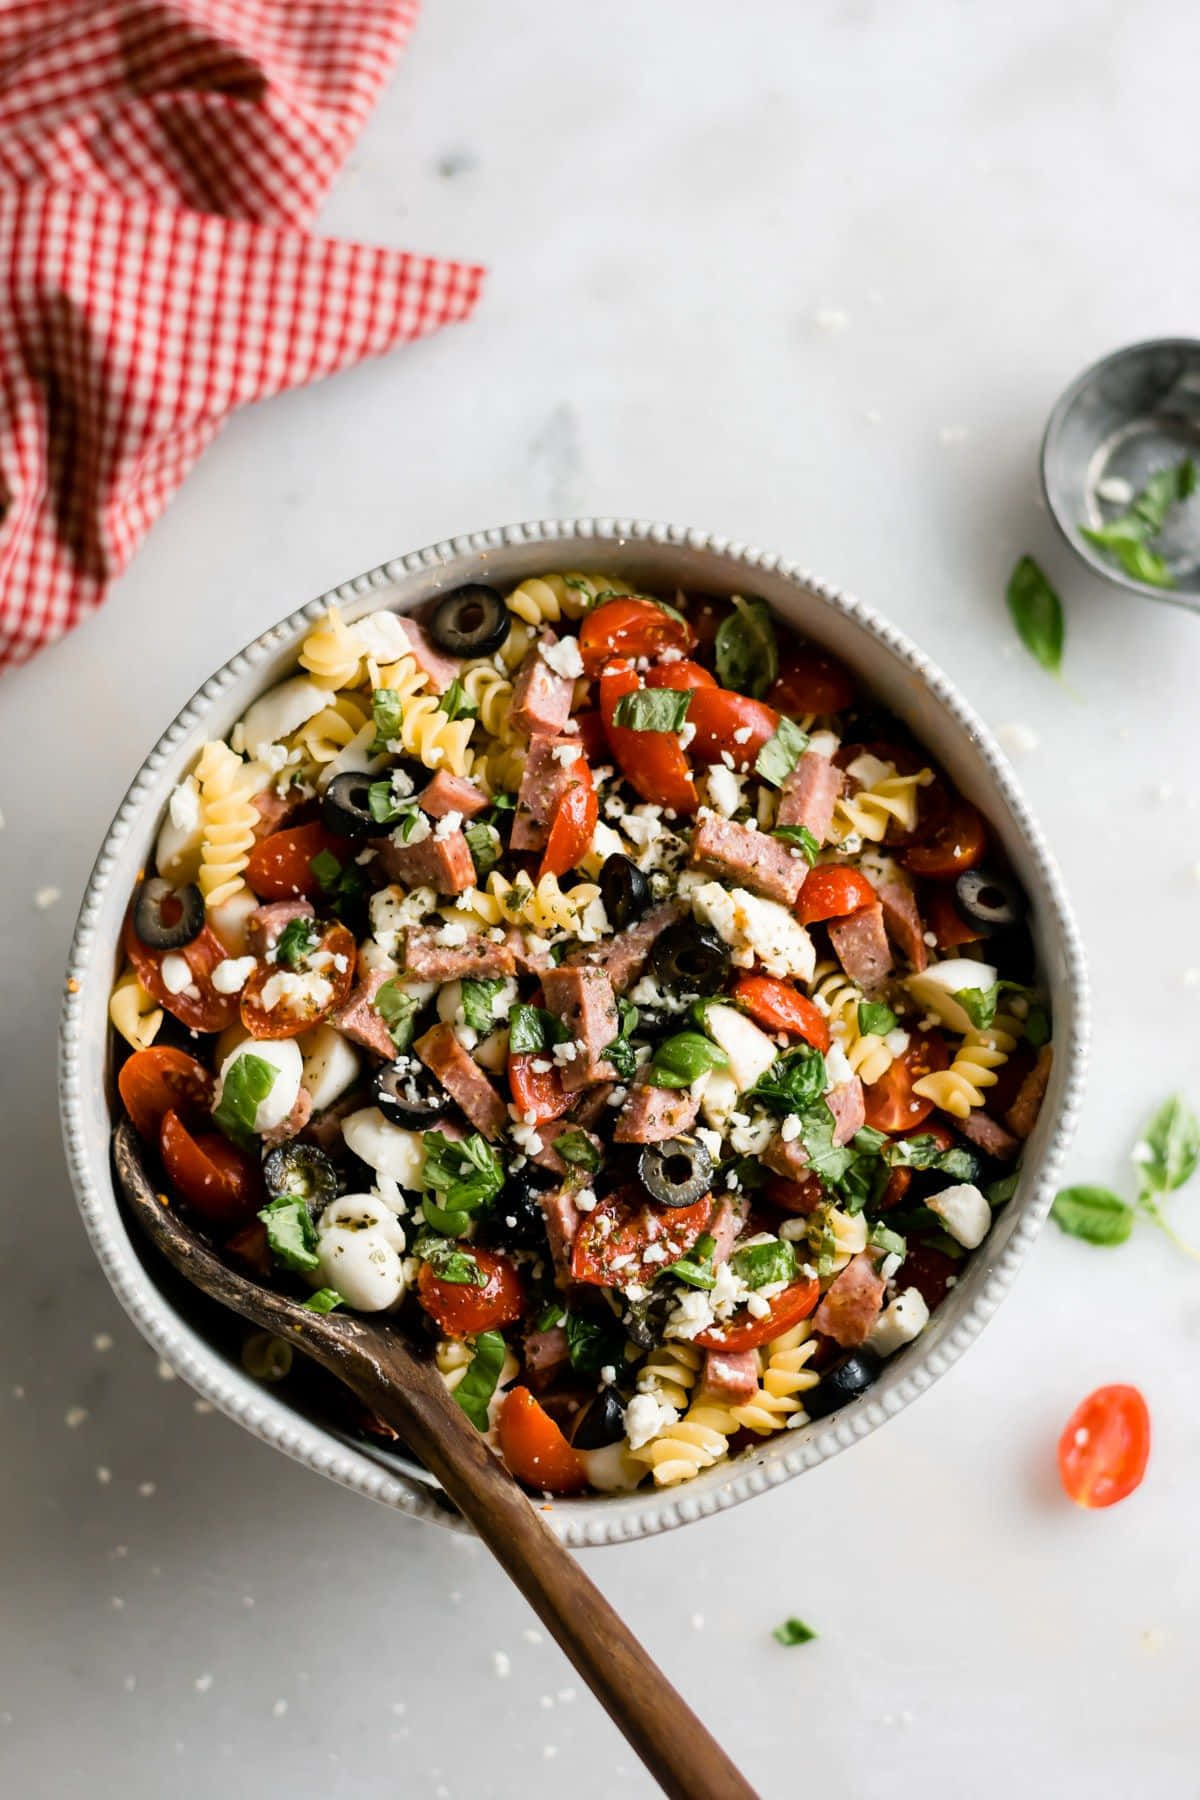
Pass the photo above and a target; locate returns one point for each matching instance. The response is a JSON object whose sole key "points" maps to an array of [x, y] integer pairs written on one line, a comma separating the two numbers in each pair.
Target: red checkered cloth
{"points": [[160, 164]]}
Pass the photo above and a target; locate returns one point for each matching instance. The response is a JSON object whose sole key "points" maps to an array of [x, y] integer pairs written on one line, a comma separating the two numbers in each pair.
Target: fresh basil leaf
{"points": [[291, 1234], [504, 803], [781, 752], [890, 1242], [384, 804], [746, 654], [746, 1175], [801, 836], [653, 709], [477, 996], [341, 887], [532, 1028], [449, 1261], [875, 1019], [1037, 1025], [761, 1265], [1095, 1214], [438, 1218], [696, 1268], [474, 1392], [248, 1081], [294, 942], [620, 1053], [593, 1343], [1037, 614], [792, 1082], [407, 818], [860, 1183], [1166, 488], [483, 841], [456, 703], [925, 1152], [979, 1004], [327, 869], [398, 1010], [793, 1631], [1124, 539], [1173, 1140], [679, 1059], [999, 1193], [387, 710], [325, 1300], [550, 1316], [464, 1175], [577, 1148]]}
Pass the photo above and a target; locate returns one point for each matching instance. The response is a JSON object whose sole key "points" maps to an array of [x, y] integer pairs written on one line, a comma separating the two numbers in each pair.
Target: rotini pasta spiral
{"points": [[669, 1373], [545, 907], [693, 1443], [545, 598], [839, 999], [868, 813], [227, 788], [320, 738], [960, 1087], [516, 646], [403, 677], [430, 734], [133, 1011], [490, 693], [501, 767], [784, 1377], [453, 1357], [333, 652]]}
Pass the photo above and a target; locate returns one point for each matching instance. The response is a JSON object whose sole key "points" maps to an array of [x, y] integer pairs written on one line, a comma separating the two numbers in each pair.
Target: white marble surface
{"points": [[670, 197]]}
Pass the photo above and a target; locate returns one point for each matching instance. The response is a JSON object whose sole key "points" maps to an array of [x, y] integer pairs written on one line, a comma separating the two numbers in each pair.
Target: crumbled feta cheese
{"points": [[184, 806], [645, 1416], [724, 790], [755, 930], [231, 976], [453, 935], [743, 735], [296, 992], [566, 1052], [174, 973], [393, 910], [837, 1067], [566, 755], [585, 1200], [1115, 489], [869, 770], [899, 1323], [654, 1253], [643, 825], [527, 1138], [711, 1141], [563, 657], [789, 1131], [897, 1041], [447, 825], [687, 732], [412, 830]]}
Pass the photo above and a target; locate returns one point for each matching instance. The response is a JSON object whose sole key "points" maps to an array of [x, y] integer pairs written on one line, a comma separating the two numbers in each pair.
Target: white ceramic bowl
{"points": [[661, 557]]}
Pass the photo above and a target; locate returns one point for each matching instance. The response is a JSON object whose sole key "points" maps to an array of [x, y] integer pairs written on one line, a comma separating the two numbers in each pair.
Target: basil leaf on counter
{"points": [[248, 1081], [477, 1386], [1173, 1141], [1037, 614], [793, 1631], [678, 1060], [746, 654], [781, 752], [653, 709], [1095, 1214]]}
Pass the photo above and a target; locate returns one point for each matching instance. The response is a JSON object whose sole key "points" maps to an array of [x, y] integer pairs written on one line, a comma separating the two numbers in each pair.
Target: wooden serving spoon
{"points": [[387, 1375]]}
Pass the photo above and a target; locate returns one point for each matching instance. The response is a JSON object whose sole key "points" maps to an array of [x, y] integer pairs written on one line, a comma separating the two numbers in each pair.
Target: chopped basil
{"points": [[925, 1152], [792, 1082], [456, 703], [853, 1172], [327, 869], [551, 1315], [342, 887], [449, 1262], [483, 841], [745, 650], [620, 1053], [696, 1267], [678, 1060], [439, 1218], [999, 1193], [875, 1019], [387, 710], [801, 836], [384, 803], [325, 1300], [1037, 1025], [1165, 1158], [1095, 1214], [591, 1343], [793, 1631], [888, 1241], [248, 1081], [291, 1234], [464, 1175], [979, 1004], [478, 1385], [398, 1010], [577, 1148], [477, 997], [1125, 536], [295, 941], [781, 752], [653, 709], [1037, 614], [532, 1028], [504, 803], [761, 1265]]}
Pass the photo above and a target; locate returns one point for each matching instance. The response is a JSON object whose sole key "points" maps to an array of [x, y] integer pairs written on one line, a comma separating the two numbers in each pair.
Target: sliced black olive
{"points": [[645, 1320], [516, 1220], [472, 621], [407, 1094], [845, 1381], [624, 891], [989, 901], [303, 1172], [690, 956], [167, 918], [601, 1422], [1012, 951], [677, 1171], [346, 807]]}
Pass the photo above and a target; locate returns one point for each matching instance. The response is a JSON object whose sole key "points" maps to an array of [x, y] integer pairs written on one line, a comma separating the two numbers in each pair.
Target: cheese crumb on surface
{"points": [[1016, 738]]}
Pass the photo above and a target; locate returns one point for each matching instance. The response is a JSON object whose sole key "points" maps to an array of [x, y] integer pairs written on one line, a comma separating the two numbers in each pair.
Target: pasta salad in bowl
{"points": [[598, 976]]}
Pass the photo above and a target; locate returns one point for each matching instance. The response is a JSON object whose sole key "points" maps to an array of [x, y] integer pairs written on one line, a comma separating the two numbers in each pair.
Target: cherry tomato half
{"points": [[461, 1309], [680, 675], [929, 1271], [293, 1014], [205, 1010], [160, 1080], [832, 892], [280, 866], [958, 843], [651, 761], [720, 718], [945, 921], [593, 739], [572, 823], [890, 1102], [800, 1197], [622, 1228], [777, 1006], [1103, 1452], [746, 1333], [538, 1094], [630, 626], [217, 1180], [810, 681], [535, 1449]]}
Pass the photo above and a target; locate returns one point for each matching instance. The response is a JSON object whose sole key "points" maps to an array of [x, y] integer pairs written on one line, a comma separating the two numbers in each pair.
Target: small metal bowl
{"points": [[1129, 415]]}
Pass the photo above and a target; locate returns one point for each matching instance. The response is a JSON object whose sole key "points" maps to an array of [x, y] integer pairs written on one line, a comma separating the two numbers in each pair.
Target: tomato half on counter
{"points": [[1105, 1446]]}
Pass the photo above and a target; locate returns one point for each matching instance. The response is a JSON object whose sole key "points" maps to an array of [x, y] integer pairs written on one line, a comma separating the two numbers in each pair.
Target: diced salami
{"points": [[295, 1122], [849, 1111], [730, 1376], [448, 793], [443, 863], [988, 1135], [585, 1002], [428, 959], [809, 794], [549, 1132], [531, 958], [728, 1217], [541, 702], [787, 1157], [1022, 1115], [623, 957], [463, 1079], [544, 1354], [902, 918], [763, 864], [440, 670], [592, 1106], [274, 809], [652, 1114], [359, 1020], [265, 925], [562, 1222], [852, 1304], [546, 778], [861, 945]]}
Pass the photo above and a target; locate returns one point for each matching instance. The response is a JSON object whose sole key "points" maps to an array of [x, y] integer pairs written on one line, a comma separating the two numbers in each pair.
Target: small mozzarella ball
{"points": [[388, 1149], [899, 1323], [492, 1054], [750, 1051], [284, 1056], [229, 920], [449, 1003], [330, 1064], [964, 1212], [360, 1252], [278, 713], [937, 985]]}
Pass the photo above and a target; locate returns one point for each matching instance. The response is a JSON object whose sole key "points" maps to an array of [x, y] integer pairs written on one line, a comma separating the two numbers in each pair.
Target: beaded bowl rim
{"points": [[606, 1518]]}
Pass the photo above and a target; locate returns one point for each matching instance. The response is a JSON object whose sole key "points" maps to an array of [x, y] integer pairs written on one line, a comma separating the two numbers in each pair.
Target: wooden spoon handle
{"points": [[684, 1758]]}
